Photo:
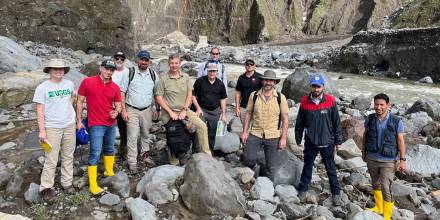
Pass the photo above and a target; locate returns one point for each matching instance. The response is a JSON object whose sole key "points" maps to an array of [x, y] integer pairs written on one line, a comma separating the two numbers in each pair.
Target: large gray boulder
{"points": [[18, 88], [14, 58], [263, 189], [349, 150], [228, 143], [140, 209], [158, 184], [428, 105], [287, 193], [209, 190], [288, 170], [32, 194], [367, 215], [296, 85], [119, 184], [416, 122], [361, 102], [264, 208], [423, 159]]}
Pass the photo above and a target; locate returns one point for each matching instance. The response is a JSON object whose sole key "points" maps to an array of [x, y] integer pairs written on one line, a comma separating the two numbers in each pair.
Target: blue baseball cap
{"points": [[317, 80], [143, 54]]}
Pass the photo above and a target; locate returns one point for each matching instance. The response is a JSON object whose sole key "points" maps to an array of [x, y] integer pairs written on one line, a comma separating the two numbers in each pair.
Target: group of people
{"points": [[132, 98]]}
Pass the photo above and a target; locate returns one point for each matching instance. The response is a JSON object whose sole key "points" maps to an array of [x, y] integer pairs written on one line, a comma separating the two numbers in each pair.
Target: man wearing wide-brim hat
{"points": [[56, 125], [267, 109]]}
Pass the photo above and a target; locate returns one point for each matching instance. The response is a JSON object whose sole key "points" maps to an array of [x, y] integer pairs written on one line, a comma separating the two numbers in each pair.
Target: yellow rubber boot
{"points": [[93, 184], [109, 161], [378, 202], [387, 210]]}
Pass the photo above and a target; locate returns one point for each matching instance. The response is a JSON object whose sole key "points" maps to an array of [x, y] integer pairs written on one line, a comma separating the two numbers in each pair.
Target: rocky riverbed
{"points": [[218, 188]]}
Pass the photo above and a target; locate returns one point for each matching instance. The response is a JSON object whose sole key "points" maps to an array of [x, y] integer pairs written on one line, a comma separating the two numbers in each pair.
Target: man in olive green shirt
{"points": [[267, 115], [174, 95]]}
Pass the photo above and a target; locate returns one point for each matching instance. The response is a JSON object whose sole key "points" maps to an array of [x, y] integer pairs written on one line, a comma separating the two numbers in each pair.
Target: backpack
{"points": [[223, 69], [279, 104], [131, 75], [178, 137]]}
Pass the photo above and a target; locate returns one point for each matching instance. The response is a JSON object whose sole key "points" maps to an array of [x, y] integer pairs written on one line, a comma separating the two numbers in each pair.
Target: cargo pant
{"points": [[382, 175], [139, 123], [62, 140], [270, 147]]}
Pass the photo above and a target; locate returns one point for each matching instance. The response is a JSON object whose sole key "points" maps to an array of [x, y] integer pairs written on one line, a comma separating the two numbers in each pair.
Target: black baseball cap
{"points": [[108, 64], [249, 61], [119, 54]]}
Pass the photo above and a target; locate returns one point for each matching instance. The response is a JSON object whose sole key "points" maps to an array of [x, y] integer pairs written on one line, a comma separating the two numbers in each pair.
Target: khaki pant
{"points": [[64, 140], [139, 123], [382, 175]]}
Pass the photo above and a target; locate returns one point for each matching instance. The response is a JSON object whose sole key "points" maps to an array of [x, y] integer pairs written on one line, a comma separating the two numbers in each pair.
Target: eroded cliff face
{"points": [[423, 13], [100, 25], [104, 25]]}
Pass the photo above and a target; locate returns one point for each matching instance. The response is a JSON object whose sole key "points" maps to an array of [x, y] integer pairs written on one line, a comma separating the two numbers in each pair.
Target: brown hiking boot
{"points": [[49, 195], [69, 190]]}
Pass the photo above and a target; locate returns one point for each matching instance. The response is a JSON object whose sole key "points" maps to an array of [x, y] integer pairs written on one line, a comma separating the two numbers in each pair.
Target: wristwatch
{"points": [[403, 159]]}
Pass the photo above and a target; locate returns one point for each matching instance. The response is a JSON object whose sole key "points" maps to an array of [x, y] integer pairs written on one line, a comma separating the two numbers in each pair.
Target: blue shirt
{"points": [[140, 92], [381, 126]]}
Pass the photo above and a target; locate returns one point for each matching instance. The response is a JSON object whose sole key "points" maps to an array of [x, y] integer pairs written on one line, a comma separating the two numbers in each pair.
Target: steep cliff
{"points": [[424, 13]]}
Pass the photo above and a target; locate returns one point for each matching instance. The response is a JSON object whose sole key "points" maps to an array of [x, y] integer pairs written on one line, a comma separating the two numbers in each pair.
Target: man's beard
{"points": [[143, 67], [316, 94]]}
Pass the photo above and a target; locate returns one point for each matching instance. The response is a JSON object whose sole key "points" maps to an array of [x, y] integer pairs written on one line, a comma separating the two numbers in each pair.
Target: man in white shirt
{"points": [[121, 72]]}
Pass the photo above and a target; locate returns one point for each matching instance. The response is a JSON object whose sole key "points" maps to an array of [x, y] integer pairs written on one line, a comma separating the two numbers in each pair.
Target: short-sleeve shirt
{"points": [[174, 92], [57, 101], [118, 75], [246, 85], [381, 126], [266, 114], [100, 97], [209, 95], [140, 92]]}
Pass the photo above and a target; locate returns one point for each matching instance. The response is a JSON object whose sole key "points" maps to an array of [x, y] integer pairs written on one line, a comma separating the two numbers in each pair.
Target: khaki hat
{"points": [[212, 67], [56, 63], [269, 74]]}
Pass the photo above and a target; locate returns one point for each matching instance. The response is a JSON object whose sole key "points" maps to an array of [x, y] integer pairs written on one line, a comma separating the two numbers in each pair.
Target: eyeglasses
{"points": [[119, 58], [250, 64], [215, 53]]}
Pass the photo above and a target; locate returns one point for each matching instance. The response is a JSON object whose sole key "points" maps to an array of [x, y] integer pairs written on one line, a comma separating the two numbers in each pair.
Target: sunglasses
{"points": [[250, 64], [215, 53], [119, 58]]}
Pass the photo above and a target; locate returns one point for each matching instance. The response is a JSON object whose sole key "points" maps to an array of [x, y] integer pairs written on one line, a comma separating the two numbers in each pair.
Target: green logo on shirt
{"points": [[59, 93]]}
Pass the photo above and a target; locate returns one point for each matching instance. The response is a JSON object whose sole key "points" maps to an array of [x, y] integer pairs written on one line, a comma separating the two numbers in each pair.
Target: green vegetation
{"points": [[319, 12], [270, 25], [39, 211], [425, 13], [79, 198]]}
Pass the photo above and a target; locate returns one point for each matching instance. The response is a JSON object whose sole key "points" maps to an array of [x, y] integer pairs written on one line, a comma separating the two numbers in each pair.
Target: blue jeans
{"points": [[327, 154], [101, 137]]}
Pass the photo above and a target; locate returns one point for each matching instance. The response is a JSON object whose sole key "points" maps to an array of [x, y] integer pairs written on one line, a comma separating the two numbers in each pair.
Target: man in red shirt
{"points": [[103, 99]]}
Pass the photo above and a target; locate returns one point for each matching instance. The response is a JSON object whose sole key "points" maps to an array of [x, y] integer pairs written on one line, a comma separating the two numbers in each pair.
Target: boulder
{"points": [[209, 190], [432, 129], [428, 105], [291, 142], [235, 126], [263, 189], [416, 122], [228, 143], [349, 150], [7, 146], [355, 163], [14, 58], [244, 174], [158, 184], [140, 209], [119, 184], [264, 208], [361, 102], [422, 159], [15, 184], [296, 85], [367, 215], [7, 216], [353, 129], [426, 79], [403, 193], [287, 193], [288, 170], [294, 211], [18, 88], [32, 195], [109, 199], [4, 176]]}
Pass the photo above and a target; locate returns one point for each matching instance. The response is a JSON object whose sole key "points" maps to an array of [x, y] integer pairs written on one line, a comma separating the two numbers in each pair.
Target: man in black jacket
{"points": [[318, 118]]}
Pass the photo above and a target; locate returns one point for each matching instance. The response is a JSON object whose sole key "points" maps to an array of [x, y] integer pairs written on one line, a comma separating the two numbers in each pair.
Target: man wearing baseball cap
{"points": [[137, 108], [56, 125], [101, 94], [120, 71], [318, 118], [247, 83]]}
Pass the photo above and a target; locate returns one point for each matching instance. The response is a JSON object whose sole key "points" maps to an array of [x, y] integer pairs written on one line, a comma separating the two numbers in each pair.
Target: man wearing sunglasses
{"points": [[137, 102], [318, 118], [221, 73], [120, 71], [248, 82]]}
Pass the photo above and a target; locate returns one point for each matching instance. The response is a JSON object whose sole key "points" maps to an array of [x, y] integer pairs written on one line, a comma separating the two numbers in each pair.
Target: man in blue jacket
{"points": [[318, 119]]}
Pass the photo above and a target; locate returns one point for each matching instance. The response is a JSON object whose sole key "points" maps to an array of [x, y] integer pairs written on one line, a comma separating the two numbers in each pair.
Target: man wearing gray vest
{"points": [[384, 145]]}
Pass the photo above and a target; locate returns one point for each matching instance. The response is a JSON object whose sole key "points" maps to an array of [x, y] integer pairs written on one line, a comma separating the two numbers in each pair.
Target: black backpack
{"points": [[178, 137]]}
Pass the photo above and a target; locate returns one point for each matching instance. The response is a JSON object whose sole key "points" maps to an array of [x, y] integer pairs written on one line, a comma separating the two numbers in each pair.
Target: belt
{"points": [[140, 109]]}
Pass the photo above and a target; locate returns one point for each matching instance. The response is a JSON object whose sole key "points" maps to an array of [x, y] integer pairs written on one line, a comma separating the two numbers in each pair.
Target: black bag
{"points": [[178, 138]]}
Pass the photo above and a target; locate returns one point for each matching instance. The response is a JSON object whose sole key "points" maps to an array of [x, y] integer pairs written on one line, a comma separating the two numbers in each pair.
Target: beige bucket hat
{"points": [[56, 63], [270, 74]]}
